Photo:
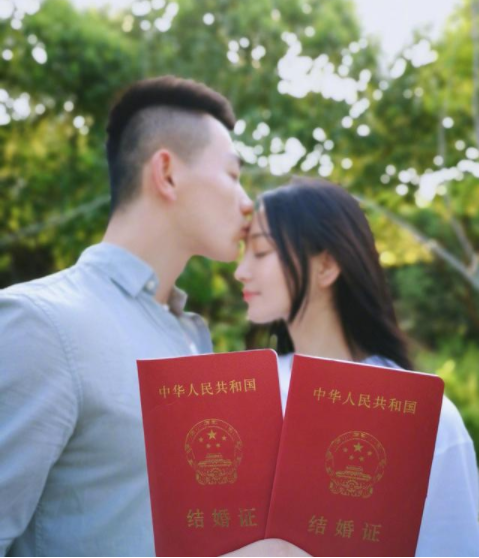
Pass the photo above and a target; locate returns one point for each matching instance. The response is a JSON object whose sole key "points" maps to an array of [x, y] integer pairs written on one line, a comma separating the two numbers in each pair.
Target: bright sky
{"points": [[391, 20], [394, 20]]}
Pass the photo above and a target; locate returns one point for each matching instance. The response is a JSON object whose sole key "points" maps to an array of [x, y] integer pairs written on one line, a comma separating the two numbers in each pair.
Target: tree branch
{"points": [[432, 245], [54, 221], [456, 225]]}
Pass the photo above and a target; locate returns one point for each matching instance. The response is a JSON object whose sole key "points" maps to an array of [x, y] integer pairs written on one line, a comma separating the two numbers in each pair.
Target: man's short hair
{"points": [[161, 112]]}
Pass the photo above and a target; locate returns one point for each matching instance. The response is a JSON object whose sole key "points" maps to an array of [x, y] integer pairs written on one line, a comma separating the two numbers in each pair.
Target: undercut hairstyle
{"points": [[166, 112], [308, 217]]}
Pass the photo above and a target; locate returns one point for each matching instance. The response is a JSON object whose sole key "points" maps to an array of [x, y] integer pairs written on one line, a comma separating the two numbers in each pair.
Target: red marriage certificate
{"points": [[354, 459], [212, 427]]}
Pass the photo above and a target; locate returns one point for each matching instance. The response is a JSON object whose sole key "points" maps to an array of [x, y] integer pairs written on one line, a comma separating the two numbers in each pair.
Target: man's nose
{"points": [[246, 204]]}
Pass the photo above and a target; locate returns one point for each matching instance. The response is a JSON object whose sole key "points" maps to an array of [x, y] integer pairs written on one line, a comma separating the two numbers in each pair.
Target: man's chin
{"points": [[224, 256]]}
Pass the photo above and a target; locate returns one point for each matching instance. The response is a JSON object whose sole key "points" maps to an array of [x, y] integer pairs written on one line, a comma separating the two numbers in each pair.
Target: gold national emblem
{"points": [[355, 462], [214, 450]]}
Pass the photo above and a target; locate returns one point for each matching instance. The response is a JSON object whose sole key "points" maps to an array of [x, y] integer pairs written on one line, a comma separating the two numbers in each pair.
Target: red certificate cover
{"points": [[212, 427], [354, 459]]}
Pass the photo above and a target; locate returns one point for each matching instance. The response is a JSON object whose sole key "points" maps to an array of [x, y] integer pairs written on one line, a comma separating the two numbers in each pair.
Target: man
{"points": [[72, 468]]}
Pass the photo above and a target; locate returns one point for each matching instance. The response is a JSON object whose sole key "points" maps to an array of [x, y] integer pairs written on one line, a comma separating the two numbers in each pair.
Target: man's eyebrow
{"points": [[238, 160]]}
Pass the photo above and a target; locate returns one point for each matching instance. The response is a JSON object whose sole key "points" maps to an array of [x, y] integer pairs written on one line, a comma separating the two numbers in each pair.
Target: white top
{"points": [[450, 520]]}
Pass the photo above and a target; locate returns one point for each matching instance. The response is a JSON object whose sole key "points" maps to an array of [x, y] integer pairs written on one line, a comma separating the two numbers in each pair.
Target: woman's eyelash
{"points": [[262, 254]]}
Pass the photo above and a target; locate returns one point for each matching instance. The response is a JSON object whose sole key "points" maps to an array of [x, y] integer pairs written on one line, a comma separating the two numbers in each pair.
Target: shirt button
{"points": [[151, 286]]}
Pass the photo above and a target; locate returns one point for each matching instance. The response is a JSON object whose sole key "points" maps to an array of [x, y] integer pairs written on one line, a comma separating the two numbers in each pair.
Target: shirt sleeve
{"points": [[38, 408], [450, 521]]}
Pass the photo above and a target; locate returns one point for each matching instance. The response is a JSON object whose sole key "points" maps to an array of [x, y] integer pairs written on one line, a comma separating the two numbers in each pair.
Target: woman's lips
{"points": [[248, 295]]}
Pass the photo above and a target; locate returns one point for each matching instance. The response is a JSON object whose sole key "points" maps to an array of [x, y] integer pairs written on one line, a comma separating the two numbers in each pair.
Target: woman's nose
{"points": [[241, 274]]}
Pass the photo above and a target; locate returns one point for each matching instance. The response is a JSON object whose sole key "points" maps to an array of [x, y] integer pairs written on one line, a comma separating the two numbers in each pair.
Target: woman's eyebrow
{"points": [[258, 235]]}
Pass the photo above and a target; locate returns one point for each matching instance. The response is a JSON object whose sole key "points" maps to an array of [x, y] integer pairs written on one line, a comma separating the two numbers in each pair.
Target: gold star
{"points": [[345, 450], [370, 452], [358, 447], [224, 438], [218, 445], [208, 445], [212, 435], [351, 457], [201, 439], [361, 459]]}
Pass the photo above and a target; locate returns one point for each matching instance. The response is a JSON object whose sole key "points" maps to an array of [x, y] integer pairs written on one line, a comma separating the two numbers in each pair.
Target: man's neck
{"points": [[149, 242]]}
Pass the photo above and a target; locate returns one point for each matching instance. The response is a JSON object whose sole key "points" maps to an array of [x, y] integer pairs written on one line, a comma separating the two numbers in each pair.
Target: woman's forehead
{"points": [[259, 224]]}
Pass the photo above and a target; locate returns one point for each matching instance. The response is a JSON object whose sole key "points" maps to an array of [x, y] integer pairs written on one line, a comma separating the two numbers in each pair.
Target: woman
{"points": [[311, 267]]}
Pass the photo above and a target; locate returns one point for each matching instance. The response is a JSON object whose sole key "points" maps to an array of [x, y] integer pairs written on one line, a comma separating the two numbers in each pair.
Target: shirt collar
{"points": [[129, 272]]}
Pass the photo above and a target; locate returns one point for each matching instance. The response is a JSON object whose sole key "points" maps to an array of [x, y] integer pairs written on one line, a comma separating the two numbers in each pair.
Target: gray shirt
{"points": [[72, 469]]}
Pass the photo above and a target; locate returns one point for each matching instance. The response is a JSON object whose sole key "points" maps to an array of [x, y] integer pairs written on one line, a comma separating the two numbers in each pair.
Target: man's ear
{"points": [[326, 270], [161, 166]]}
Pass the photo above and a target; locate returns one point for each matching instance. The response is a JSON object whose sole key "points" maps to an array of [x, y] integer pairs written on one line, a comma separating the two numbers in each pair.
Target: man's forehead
{"points": [[221, 141]]}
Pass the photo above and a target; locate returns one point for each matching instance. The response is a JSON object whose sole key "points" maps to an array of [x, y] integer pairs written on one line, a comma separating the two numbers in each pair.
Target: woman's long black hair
{"points": [[307, 217]]}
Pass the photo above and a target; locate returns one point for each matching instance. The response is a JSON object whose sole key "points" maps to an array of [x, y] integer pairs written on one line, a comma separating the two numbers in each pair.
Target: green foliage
{"points": [[433, 290], [456, 363], [53, 175]]}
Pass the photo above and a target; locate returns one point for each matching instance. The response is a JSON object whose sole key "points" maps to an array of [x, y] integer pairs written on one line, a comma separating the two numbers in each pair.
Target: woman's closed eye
{"points": [[260, 245], [263, 254]]}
